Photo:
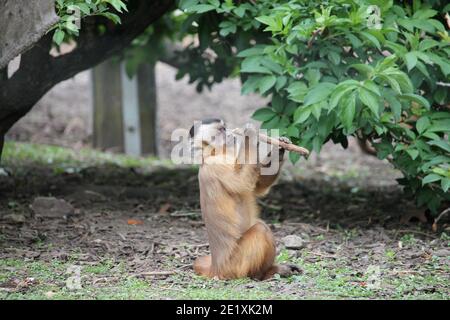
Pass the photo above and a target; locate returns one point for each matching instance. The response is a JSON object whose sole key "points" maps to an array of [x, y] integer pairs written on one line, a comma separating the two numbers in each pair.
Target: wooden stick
{"points": [[287, 146]]}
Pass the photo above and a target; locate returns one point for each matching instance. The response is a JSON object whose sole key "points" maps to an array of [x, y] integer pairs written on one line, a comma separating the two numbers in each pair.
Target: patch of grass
{"points": [[65, 159], [408, 239], [283, 256], [429, 286], [390, 255], [322, 279]]}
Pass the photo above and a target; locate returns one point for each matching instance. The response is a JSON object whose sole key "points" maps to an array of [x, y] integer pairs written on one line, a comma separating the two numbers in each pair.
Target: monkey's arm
{"points": [[265, 181]]}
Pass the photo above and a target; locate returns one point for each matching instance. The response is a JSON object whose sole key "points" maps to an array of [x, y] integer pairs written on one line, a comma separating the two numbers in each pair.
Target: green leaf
{"points": [[240, 11], [372, 39], [254, 51], [272, 123], [294, 157], [334, 57], [271, 65], [441, 144], [411, 60], [403, 80], [364, 69], [281, 82], [297, 91], [338, 93], [431, 135], [250, 85], [395, 105], [117, 4], [319, 93], [267, 20], [266, 83], [58, 36], [313, 76], [445, 184], [201, 8], [293, 131], [317, 144], [227, 27], [440, 95], [302, 114], [277, 103], [440, 125], [384, 148], [422, 124], [253, 65], [416, 98], [370, 99], [348, 110], [356, 43], [413, 153], [186, 4], [316, 109], [263, 114], [430, 178]]}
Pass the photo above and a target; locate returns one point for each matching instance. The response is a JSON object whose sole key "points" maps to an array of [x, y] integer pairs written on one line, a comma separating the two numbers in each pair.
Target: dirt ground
{"points": [[136, 230]]}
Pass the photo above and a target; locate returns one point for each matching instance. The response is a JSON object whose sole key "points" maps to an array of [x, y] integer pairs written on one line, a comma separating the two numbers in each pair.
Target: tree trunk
{"points": [[39, 71]]}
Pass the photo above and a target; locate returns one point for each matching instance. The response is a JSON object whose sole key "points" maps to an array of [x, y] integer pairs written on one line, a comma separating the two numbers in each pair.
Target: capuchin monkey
{"points": [[241, 244]]}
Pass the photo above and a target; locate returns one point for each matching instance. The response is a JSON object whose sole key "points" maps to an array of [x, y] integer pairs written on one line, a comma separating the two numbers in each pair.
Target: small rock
{"points": [[3, 172], [15, 218], [49, 294], [50, 207], [442, 253], [293, 242]]}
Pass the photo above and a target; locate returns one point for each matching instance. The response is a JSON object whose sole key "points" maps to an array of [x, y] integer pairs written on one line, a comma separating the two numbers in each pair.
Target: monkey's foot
{"points": [[287, 270]]}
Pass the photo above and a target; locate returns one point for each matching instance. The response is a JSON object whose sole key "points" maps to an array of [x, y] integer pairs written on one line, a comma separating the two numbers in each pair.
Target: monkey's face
{"points": [[210, 133]]}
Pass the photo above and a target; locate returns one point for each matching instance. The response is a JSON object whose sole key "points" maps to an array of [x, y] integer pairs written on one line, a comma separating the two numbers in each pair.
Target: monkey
{"points": [[241, 244]]}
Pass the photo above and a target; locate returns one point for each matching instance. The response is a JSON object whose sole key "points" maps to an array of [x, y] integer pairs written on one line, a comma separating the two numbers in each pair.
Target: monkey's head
{"points": [[209, 133]]}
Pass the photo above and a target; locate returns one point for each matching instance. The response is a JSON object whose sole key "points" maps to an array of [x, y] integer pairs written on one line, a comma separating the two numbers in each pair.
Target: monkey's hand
{"points": [[285, 140], [280, 149]]}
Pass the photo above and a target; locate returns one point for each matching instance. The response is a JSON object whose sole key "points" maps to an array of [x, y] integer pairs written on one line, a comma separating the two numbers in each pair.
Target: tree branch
{"points": [[39, 71]]}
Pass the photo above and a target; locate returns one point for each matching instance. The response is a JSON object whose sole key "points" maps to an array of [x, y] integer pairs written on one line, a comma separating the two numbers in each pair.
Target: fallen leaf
{"points": [[135, 222]]}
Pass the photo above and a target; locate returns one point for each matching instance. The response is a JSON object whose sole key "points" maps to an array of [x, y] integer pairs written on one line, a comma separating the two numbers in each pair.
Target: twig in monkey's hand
{"points": [[287, 146]]}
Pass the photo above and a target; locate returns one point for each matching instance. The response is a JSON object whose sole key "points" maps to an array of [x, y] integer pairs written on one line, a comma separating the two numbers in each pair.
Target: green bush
{"points": [[71, 12], [374, 69], [377, 70]]}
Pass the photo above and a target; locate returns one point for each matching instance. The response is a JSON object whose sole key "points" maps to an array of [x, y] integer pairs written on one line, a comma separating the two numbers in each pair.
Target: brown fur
{"points": [[241, 244]]}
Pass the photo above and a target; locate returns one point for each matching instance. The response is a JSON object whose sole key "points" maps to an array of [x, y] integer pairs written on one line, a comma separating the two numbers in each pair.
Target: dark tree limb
{"points": [[39, 71], [3, 74]]}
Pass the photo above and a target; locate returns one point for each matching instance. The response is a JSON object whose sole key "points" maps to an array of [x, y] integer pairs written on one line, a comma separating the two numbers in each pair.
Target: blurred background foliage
{"points": [[377, 70]]}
